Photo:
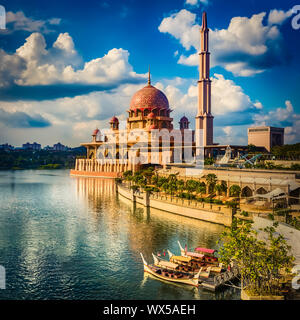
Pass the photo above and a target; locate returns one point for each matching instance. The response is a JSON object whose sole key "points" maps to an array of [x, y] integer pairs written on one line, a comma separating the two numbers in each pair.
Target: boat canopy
{"points": [[181, 258], [195, 254], [167, 264], [205, 250]]}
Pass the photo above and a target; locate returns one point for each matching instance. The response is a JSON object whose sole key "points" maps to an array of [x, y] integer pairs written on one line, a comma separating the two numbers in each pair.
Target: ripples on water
{"points": [[65, 237]]}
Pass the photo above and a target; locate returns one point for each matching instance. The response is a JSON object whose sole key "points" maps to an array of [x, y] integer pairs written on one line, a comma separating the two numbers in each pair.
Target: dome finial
{"points": [[149, 78]]}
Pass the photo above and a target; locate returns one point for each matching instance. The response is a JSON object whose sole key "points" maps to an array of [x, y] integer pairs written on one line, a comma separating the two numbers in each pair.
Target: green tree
{"points": [[201, 188], [191, 185], [127, 175], [219, 189], [209, 161], [261, 263], [211, 180], [161, 181], [180, 185], [235, 190], [155, 179], [148, 173]]}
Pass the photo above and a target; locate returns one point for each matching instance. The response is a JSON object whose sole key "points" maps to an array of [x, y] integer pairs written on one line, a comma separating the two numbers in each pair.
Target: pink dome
{"points": [[95, 132], [113, 120], [149, 97]]}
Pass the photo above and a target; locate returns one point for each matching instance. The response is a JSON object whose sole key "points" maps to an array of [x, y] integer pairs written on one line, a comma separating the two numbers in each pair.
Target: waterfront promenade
{"points": [[188, 208]]}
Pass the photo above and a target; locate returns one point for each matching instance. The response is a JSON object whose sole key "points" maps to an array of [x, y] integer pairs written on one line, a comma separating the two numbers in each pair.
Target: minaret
{"points": [[204, 118]]}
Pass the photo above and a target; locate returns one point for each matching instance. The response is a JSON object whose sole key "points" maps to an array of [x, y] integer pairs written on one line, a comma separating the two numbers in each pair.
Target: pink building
{"points": [[266, 137]]}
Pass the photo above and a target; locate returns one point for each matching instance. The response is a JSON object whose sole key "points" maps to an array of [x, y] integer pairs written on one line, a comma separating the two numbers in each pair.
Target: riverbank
{"points": [[192, 209]]}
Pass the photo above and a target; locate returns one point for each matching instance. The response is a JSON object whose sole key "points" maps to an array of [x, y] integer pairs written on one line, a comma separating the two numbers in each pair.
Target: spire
{"points": [[204, 21], [149, 78]]}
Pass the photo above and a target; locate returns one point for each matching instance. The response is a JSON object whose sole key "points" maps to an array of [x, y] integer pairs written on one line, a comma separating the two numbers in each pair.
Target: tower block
{"points": [[204, 118]]}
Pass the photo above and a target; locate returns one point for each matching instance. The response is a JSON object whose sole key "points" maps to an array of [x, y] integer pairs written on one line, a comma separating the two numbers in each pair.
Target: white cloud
{"points": [[282, 117], [38, 65], [182, 26], [196, 2], [19, 21], [245, 48], [75, 118], [227, 97], [227, 130], [278, 16]]}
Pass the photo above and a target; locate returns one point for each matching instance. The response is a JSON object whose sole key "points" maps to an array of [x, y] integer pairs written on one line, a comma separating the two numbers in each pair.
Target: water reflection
{"points": [[74, 238]]}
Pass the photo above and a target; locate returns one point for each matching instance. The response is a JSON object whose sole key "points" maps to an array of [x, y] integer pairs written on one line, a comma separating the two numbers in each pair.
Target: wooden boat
{"points": [[204, 272], [205, 256], [171, 275], [190, 262], [173, 265]]}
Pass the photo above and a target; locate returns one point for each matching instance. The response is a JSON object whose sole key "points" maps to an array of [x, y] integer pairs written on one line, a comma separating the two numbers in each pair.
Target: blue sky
{"points": [[67, 67]]}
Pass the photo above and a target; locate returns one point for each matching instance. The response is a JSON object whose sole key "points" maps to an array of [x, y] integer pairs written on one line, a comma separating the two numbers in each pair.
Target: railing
{"points": [[189, 203], [179, 201]]}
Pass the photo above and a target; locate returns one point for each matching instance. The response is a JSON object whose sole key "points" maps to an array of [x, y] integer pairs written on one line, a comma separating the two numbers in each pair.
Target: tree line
{"points": [[43, 159]]}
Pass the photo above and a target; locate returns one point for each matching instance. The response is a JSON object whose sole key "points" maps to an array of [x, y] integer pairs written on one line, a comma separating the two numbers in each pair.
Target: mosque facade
{"points": [[149, 137]]}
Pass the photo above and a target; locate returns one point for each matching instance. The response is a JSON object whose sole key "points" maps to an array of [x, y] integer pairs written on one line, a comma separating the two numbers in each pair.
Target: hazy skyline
{"points": [[67, 68]]}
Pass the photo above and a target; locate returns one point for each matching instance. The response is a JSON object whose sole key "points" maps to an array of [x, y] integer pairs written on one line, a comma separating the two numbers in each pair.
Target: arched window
{"points": [[247, 192], [261, 190]]}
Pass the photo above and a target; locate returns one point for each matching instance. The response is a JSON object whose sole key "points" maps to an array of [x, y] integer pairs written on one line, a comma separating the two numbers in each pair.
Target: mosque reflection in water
{"points": [[145, 230]]}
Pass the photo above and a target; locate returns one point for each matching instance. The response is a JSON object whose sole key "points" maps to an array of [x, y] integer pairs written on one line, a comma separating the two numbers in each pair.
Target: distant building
{"points": [[48, 148], [266, 137], [31, 146], [6, 147], [60, 147]]}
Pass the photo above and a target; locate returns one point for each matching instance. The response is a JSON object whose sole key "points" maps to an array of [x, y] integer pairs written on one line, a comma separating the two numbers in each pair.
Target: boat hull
{"points": [[183, 281]]}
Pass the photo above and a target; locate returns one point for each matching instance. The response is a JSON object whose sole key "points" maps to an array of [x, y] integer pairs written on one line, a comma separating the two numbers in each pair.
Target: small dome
{"points": [[149, 97], [184, 119], [114, 120], [151, 115], [95, 132]]}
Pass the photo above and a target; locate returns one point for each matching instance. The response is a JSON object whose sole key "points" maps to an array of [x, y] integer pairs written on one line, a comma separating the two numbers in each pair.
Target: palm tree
{"points": [[180, 185], [165, 186], [161, 181], [219, 189], [191, 185], [201, 188], [172, 178], [148, 173], [211, 179], [154, 179], [235, 190]]}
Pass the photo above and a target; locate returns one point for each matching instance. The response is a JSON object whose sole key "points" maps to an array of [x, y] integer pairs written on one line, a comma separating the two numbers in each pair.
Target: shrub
{"points": [[216, 201], [245, 213]]}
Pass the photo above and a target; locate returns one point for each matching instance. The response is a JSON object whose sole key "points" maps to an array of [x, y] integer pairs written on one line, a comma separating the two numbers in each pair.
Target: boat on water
{"points": [[188, 263], [167, 271], [202, 254], [203, 273]]}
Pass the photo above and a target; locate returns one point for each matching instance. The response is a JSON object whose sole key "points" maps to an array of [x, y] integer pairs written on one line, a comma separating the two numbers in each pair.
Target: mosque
{"points": [[149, 121]]}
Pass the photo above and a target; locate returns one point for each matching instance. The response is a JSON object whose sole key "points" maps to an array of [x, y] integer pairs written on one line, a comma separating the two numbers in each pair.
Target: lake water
{"points": [[65, 237]]}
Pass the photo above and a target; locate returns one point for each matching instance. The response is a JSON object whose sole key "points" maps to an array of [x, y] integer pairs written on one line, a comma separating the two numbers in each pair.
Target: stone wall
{"points": [[210, 213]]}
